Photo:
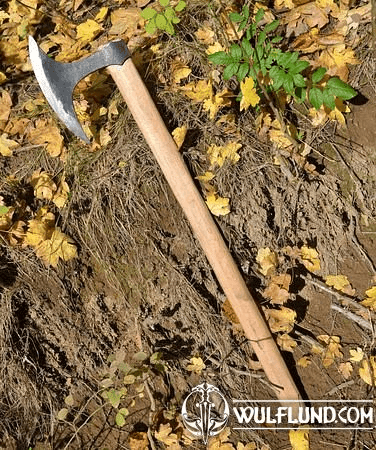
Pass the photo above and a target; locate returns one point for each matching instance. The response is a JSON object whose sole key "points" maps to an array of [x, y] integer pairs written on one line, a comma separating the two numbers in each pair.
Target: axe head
{"points": [[58, 80]]}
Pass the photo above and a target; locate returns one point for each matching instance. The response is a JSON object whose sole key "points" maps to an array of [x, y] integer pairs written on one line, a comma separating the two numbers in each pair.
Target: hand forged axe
{"points": [[57, 81]]}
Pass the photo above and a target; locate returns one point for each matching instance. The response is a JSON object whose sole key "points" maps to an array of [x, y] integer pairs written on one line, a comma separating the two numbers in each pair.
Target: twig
{"points": [[354, 317], [339, 387], [152, 410], [308, 339]]}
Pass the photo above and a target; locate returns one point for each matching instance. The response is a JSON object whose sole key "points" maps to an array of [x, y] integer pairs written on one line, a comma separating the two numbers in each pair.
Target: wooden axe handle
{"points": [[168, 157]]}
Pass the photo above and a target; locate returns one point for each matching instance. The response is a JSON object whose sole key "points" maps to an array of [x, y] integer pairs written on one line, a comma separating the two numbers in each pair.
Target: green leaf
{"points": [[221, 58], [169, 13], [259, 15], [236, 52], [318, 74], [114, 397], [299, 80], [175, 20], [150, 27], [300, 94], [288, 59], [180, 6], [230, 70], [243, 71], [164, 2], [288, 83], [120, 417], [340, 89], [299, 66], [169, 28], [315, 97], [328, 98], [245, 11], [148, 13], [271, 26], [236, 17], [161, 21], [260, 51], [261, 38], [247, 47], [277, 39], [3, 210], [278, 78]]}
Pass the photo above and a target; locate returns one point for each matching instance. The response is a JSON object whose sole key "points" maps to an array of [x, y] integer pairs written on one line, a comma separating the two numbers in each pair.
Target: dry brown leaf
{"points": [[310, 258], [332, 349], [125, 22], [304, 361], [7, 145], [276, 294], [205, 35], [221, 442], [6, 218], [336, 59], [60, 197], [165, 435], [5, 106], [219, 154], [370, 300], [356, 355], [345, 369], [218, 206], [138, 441], [341, 283], [196, 365]]}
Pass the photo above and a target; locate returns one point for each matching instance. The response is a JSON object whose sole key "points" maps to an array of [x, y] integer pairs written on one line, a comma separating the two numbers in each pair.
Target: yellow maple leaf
{"points": [[310, 258], [101, 15], [36, 233], [299, 439], [60, 197], [332, 349], [249, 446], [196, 365], [370, 300], [199, 91], [215, 102], [45, 132], [281, 320], [179, 135], [345, 369], [221, 442], [88, 30], [281, 4], [208, 176], [165, 435], [368, 371], [7, 145], [16, 233], [336, 58], [268, 260], [249, 97], [304, 361], [356, 354], [125, 22], [216, 47], [341, 283], [286, 342], [59, 246], [43, 185], [219, 154], [219, 206], [179, 70]]}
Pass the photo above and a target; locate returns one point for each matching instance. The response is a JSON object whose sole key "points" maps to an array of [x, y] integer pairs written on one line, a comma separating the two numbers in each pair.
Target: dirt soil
{"points": [[142, 283]]}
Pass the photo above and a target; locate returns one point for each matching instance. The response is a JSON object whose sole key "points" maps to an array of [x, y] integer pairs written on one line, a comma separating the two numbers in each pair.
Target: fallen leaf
{"points": [[208, 176], [88, 30], [249, 97], [286, 342], [219, 154], [310, 258], [6, 217], [199, 91], [276, 294], [281, 320], [345, 369], [5, 105], [368, 371], [179, 135], [44, 187], [268, 260], [304, 361], [284, 4], [37, 232], [221, 442], [219, 206], [341, 283], [370, 300], [332, 349], [299, 439], [7, 145], [179, 71], [216, 47], [138, 440], [214, 103], [196, 365], [249, 446], [125, 22], [356, 355], [101, 15], [45, 132], [61, 195], [59, 246], [165, 435], [337, 58], [205, 35]]}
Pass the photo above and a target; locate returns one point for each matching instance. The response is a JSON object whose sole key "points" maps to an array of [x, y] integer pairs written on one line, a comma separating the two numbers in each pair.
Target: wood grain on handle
{"points": [[166, 153]]}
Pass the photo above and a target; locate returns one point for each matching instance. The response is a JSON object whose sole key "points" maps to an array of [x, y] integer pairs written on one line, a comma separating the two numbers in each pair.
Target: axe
{"points": [[57, 81]]}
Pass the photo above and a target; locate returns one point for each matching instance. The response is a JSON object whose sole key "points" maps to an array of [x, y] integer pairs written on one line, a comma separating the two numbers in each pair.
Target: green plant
{"points": [[164, 20], [257, 52]]}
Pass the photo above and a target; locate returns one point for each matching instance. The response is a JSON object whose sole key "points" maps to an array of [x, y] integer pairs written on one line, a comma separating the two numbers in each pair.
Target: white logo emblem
{"points": [[205, 411]]}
